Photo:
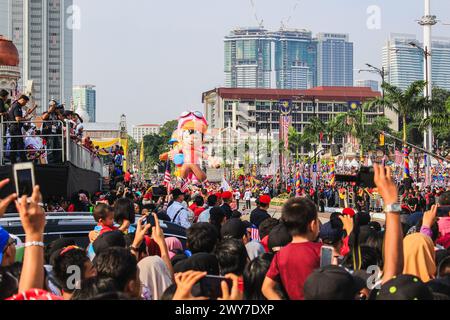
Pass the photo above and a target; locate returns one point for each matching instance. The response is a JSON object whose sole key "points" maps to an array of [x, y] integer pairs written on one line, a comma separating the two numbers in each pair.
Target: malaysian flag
{"points": [[185, 185], [167, 175], [254, 234]]}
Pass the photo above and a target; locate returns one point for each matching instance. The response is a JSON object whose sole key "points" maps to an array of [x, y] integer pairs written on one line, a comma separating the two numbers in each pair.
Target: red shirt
{"points": [[293, 264]]}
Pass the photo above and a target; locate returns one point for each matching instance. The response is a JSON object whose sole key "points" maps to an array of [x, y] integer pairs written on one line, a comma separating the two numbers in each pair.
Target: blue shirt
{"points": [[181, 213]]}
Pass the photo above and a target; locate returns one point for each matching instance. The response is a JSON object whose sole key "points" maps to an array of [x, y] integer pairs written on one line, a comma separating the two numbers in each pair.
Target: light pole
{"points": [[427, 22], [428, 134], [381, 72]]}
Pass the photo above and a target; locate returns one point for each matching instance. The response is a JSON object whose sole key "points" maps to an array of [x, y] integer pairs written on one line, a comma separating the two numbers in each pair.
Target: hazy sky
{"points": [[152, 59]]}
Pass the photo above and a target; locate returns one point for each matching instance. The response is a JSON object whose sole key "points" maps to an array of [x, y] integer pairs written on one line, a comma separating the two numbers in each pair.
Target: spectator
{"points": [[177, 213], [260, 213], [293, 264]]}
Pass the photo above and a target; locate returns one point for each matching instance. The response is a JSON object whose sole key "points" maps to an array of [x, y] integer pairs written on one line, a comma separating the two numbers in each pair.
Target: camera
{"points": [[364, 178]]}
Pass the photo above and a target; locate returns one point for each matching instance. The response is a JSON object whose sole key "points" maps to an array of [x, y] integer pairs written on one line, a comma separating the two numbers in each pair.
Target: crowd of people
{"points": [[39, 138], [259, 257]]}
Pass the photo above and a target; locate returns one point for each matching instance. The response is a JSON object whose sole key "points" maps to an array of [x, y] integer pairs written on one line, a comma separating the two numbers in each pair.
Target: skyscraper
{"points": [[334, 60], [404, 63], [248, 55], [39, 29], [440, 64], [295, 59], [84, 97], [5, 19]]}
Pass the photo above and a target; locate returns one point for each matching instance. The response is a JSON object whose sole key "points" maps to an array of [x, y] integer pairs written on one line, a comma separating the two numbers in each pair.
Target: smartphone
{"points": [[24, 179], [443, 211], [326, 256], [211, 286], [150, 219]]}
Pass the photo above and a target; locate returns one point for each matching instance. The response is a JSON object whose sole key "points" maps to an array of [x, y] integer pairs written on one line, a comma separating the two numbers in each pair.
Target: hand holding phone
{"points": [[24, 179], [326, 256], [211, 286]]}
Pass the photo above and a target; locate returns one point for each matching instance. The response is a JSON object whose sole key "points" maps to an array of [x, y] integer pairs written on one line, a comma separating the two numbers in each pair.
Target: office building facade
{"points": [[85, 97], [404, 63], [334, 60], [140, 131], [295, 59], [287, 59], [40, 29], [255, 110], [248, 57]]}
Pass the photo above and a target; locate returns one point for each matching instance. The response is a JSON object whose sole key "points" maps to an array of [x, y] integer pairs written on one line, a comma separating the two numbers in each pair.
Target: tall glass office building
{"points": [[295, 59], [334, 60], [39, 29], [248, 56], [404, 63], [84, 97], [287, 59]]}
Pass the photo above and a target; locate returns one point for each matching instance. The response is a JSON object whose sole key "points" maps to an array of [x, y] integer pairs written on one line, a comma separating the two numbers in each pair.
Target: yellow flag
{"points": [[381, 140], [141, 153]]}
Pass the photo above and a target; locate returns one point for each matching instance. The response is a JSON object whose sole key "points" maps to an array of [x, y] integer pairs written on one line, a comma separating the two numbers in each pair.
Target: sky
{"points": [[153, 59]]}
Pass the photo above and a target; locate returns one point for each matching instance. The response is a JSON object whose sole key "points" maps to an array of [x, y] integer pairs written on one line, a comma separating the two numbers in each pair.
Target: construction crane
{"points": [[260, 22]]}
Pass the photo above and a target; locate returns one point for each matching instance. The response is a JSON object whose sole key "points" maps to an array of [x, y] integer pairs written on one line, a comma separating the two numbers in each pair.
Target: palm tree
{"points": [[439, 121], [297, 140], [406, 103], [330, 129]]}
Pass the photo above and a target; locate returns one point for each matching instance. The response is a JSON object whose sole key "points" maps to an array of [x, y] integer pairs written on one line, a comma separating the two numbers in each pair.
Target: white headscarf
{"points": [[155, 277]]}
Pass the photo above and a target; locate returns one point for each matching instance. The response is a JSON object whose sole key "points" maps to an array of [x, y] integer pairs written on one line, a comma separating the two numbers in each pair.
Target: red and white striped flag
{"points": [[167, 175], [185, 185], [254, 234]]}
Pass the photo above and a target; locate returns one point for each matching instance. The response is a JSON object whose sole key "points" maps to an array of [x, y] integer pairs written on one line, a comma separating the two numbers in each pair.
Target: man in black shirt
{"points": [[227, 198], [260, 213], [15, 129], [53, 128]]}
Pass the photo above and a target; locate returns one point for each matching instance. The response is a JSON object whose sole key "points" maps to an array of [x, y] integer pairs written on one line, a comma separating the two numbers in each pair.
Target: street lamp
{"points": [[381, 72]]}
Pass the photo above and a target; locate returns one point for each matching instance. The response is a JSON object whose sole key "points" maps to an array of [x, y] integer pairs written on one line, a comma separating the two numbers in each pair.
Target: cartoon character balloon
{"points": [[188, 149]]}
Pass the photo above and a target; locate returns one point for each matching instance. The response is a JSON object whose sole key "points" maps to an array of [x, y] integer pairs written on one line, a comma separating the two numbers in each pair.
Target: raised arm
{"points": [[393, 242], [32, 217]]}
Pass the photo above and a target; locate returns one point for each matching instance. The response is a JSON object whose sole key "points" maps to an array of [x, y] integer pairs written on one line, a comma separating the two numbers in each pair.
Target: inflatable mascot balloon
{"points": [[188, 150]]}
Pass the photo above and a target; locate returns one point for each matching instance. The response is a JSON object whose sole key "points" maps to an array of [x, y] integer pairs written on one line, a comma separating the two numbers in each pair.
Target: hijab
{"points": [[173, 245], [155, 277], [419, 256]]}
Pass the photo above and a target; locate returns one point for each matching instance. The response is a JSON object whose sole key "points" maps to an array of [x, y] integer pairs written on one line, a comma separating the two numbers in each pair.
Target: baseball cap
{"points": [[108, 240], [404, 287], [331, 283], [278, 237], [233, 228], [264, 199], [4, 238], [227, 195], [331, 232], [348, 212]]}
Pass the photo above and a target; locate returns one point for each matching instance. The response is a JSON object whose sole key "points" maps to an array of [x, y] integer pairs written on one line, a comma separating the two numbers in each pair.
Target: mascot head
{"points": [[192, 127]]}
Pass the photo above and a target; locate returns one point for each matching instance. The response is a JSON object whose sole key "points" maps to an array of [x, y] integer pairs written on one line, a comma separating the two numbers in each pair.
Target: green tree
{"points": [[330, 129], [408, 103], [439, 120], [156, 144]]}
